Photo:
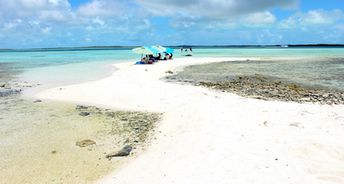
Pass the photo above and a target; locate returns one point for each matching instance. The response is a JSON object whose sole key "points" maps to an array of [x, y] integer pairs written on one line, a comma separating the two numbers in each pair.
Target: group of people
{"points": [[150, 59], [185, 49]]}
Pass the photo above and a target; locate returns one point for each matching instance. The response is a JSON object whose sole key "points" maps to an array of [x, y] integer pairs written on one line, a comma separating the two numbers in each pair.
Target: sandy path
{"points": [[213, 137]]}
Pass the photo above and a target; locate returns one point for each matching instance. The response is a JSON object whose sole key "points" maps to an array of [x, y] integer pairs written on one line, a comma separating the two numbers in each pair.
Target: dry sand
{"points": [[208, 136]]}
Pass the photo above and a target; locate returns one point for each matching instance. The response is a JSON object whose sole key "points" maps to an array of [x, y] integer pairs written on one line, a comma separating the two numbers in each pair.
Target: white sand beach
{"points": [[208, 136]]}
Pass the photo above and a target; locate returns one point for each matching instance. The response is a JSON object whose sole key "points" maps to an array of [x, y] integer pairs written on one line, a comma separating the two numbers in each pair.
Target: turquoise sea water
{"points": [[38, 139], [33, 64], [55, 68], [73, 66]]}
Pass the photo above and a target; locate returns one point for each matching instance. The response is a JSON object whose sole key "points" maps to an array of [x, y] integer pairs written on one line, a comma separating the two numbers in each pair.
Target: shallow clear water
{"points": [[61, 67], [38, 141], [33, 59], [74, 66]]}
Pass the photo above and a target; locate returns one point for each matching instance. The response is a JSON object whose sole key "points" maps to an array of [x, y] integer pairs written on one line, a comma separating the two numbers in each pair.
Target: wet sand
{"points": [[38, 140], [8, 71]]}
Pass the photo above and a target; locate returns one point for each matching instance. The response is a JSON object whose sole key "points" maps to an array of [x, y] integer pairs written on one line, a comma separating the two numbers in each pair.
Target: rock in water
{"points": [[84, 113], [121, 153], [7, 92], [81, 107], [84, 143], [37, 101]]}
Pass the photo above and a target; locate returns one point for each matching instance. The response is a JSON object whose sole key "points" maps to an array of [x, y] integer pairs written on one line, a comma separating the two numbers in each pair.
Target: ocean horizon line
{"points": [[119, 47]]}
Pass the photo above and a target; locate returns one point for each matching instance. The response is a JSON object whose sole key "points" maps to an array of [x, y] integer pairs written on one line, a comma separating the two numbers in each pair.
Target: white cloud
{"points": [[98, 21], [312, 18], [12, 24], [59, 13], [260, 18], [322, 17], [101, 8], [210, 14], [89, 28], [217, 9], [46, 30], [88, 39], [340, 27], [57, 2], [53, 20], [34, 23], [25, 8], [268, 36], [53, 15]]}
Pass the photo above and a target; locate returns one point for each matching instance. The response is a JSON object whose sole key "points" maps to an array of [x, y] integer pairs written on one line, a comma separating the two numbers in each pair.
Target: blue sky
{"points": [[66, 23]]}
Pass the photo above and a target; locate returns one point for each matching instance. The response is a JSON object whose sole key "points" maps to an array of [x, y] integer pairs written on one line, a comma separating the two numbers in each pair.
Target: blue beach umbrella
{"points": [[164, 49], [152, 49], [159, 48], [169, 50]]}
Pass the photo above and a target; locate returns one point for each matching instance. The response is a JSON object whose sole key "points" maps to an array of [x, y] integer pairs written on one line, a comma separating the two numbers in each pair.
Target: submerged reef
{"points": [[265, 80], [261, 87]]}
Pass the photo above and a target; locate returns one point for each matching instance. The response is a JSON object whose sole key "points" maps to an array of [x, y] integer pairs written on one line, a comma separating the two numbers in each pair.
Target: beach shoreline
{"points": [[209, 136]]}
